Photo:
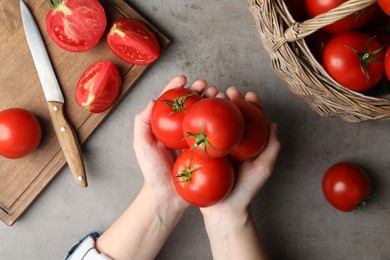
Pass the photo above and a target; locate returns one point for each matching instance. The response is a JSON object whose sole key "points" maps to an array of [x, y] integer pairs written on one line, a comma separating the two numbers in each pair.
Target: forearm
{"points": [[140, 232], [234, 237]]}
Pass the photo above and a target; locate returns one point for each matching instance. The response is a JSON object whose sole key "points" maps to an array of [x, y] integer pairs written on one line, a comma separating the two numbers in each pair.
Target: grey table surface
{"points": [[218, 41]]}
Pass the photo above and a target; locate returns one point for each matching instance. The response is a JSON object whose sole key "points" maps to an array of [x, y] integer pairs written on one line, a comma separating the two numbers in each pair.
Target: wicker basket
{"points": [[283, 39]]}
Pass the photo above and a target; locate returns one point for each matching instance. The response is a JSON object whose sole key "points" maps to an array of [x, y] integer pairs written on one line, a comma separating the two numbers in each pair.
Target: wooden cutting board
{"points": [[22, 180]]}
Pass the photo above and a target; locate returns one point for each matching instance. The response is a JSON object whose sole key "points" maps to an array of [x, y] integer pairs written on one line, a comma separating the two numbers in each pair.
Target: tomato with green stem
{"points": [[346, 186], [213, 127], [355, 60], [168, 114], [75, 25], [200, 181]]}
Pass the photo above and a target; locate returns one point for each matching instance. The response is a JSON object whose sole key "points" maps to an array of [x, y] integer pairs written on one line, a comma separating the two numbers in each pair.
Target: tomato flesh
{"points": [[76, 25], [20, 133], [345, 186], [133, 42], [98, 87], [200, 181]]}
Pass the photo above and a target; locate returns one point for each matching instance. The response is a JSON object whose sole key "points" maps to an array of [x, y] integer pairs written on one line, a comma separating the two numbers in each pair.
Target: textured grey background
{"points": [[218, 41]]}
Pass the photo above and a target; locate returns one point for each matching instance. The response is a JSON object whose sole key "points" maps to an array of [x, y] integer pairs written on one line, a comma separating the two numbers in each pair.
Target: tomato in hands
{"points": [[355, 60], [20, 133], [133, 42], [213, 127], [351, 22], [76, 25], [98, 87], [200, 181], [255, 134], [346, 186], [168, 114]]}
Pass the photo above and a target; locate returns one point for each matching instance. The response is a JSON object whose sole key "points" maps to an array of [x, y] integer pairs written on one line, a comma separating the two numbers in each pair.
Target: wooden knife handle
{"points": [[68, 142]]}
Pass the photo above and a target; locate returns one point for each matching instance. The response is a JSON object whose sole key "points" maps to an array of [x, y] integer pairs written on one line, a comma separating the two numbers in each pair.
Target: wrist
{"points": [[226, 219]]}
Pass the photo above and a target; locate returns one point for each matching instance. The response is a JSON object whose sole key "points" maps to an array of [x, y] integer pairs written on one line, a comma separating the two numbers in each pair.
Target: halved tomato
{"points": [[76, 25], [133, 42], [98, 87]]}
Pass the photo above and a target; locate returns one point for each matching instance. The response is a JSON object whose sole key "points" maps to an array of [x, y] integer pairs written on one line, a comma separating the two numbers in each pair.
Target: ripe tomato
{"points": [[213, 127], [354, 59], [200, 181], [20, 133], [133, 42], [351, 22], [256, 131], [167, 116], [346, 186], [98, 87], [387, 63], [385, 6], [76, 25]]}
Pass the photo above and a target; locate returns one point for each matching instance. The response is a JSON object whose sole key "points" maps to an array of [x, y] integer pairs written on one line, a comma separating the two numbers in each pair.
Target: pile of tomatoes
{"points": [[352, 50], [211, 133]]}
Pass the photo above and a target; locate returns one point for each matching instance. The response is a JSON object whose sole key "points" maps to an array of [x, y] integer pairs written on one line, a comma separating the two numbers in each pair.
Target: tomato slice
{"points": [[76, 25], [133, 42], [98, 87]]}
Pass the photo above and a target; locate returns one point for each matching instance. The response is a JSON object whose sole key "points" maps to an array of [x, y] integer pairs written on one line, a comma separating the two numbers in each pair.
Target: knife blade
{"points": [[53, 94]]}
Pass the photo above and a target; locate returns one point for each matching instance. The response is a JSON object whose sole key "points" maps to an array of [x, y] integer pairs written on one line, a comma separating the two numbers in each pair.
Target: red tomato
{"points": [[213, 127], [133, 42], [168, 114], [317, 42], [20, 133], [76, 25], [351, 22], [256, 131], [346, 186], [387, 63], [385, 6], [98, 87], [355, 60], [200, 181]]}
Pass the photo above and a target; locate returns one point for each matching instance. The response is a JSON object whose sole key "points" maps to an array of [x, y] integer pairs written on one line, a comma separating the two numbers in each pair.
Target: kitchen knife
{"points": [[64, 131]]}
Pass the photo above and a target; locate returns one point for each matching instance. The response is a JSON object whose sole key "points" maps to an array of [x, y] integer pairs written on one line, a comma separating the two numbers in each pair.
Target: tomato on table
{"points": [[20, 133], [168, 114], [355, 60], [351, 22], [133, 42], [200, 181], [255, 134], [76, 25], [98, 87], [346, 186], [213, 127]]}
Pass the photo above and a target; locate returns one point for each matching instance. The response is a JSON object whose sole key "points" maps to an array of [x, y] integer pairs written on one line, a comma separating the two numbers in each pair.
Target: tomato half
{"points": [[76, 25], [351, 22], [133, 42], [355, 60], [213, 127], [346, 186], [385, 6], [200, 181], [98, 87], [255, 134], [168, 114], [20, 133]]}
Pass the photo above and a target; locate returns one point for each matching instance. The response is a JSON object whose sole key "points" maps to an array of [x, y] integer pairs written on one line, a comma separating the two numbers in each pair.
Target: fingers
{"points": [[142, 129], [176, 82], [271, 151]]}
